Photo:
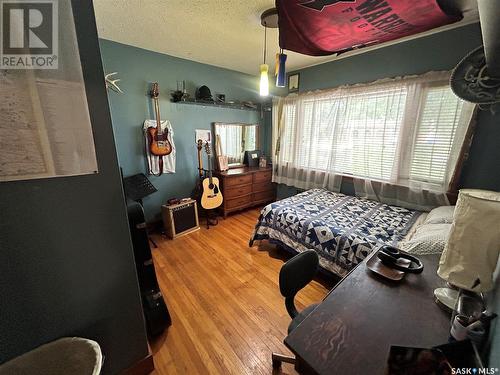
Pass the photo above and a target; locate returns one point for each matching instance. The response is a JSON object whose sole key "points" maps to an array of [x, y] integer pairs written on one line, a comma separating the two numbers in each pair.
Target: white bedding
{"points": [[429, 233]]}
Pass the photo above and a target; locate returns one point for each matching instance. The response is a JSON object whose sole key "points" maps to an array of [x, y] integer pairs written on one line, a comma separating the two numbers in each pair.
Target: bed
{"points": [[342, 229]]}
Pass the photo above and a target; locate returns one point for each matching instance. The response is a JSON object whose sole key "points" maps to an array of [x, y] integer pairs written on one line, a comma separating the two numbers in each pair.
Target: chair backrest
{"points": [[295, 274]]}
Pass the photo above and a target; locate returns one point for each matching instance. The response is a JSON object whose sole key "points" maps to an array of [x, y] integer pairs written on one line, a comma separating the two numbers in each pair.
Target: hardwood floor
{"points": [[227, 312]]}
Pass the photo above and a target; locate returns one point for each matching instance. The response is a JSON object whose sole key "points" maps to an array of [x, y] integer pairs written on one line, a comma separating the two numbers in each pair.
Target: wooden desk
{"points": [[351, 331]]}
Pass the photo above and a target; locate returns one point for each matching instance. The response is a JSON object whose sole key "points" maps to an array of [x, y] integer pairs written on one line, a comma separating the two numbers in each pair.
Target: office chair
{"points": [[295, 274]]}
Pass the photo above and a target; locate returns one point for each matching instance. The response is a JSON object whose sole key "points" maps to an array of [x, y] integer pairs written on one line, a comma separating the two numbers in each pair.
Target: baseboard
{"points": [[143, 367]]}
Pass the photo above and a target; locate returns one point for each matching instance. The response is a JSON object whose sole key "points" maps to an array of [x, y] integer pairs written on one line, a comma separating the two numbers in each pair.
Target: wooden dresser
{"points": [[246, 187]]}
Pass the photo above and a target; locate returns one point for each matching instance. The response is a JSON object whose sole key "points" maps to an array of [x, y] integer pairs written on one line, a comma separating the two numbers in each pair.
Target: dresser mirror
{"points": [[235, 139]]}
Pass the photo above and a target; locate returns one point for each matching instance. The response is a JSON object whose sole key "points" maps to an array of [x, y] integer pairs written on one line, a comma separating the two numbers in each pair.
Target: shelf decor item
{"points": [[262, 162], [471, 253], [228, 104]]}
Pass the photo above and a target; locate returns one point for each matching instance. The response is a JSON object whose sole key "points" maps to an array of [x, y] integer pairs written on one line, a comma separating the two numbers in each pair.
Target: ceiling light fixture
{"points": [[268, 19], [264, 69], [280, 69]]}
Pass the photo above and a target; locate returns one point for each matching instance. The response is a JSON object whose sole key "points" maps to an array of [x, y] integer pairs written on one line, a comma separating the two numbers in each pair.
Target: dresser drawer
{"points": [[238, 202], [264, 196], [262, 176], [237, 191], [263, 186], [237, 180]]}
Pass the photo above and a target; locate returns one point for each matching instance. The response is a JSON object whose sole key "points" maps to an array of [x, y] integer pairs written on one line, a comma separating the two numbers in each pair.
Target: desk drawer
{"points": [[237, 191], [263, 186], [238, 180], [238, 202], [262, 176], [264, 196]]}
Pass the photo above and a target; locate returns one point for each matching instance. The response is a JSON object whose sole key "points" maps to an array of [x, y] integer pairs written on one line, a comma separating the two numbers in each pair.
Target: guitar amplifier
{"points": [[180, 219]]}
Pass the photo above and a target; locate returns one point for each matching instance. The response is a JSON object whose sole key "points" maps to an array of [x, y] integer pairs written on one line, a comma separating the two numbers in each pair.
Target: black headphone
{"points": [[390, 255]]}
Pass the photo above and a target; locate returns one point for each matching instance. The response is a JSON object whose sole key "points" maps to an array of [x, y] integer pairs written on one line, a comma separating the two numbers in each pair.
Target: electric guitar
{"points": [[159, 144], [199, 147], [198, 189], [212, 196]]}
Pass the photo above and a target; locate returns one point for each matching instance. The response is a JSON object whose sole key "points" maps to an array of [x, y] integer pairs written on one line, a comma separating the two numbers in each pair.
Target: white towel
{"points": [[153, 160]]}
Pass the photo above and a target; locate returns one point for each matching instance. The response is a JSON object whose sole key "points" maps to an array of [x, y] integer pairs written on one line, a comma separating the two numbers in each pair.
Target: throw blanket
{"points": [[342, 229]]}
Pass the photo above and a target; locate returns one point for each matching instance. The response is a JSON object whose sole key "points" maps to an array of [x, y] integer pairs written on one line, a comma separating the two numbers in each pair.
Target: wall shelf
{"points": [[205, 103]]}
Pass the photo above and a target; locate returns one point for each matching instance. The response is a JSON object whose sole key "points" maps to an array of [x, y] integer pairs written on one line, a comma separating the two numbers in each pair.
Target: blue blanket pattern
{"points": [[342, 229]]}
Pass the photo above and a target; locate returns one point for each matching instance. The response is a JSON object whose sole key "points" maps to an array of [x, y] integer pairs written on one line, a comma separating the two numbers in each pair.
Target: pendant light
{"points": [[268, 19], [264, 69], [280, 69]]}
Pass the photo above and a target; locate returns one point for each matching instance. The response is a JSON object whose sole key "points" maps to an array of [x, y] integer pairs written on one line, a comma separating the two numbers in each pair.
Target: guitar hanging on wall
{"points": [[159, 145], [198, 190], [212, 196]]}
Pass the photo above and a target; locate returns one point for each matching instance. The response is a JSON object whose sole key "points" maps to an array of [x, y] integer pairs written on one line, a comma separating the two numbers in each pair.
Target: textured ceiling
{"points": [[225, 33]]}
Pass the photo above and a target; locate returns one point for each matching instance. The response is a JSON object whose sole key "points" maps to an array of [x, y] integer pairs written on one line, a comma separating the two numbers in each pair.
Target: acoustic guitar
{"points": [[159, 144], [212, 196]]}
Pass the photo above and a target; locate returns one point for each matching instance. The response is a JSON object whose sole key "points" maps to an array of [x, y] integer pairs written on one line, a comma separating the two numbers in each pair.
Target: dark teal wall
{"points": [[66, 260], [137, 68]]}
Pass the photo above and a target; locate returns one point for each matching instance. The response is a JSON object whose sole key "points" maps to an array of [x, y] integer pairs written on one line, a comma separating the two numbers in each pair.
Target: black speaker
{"points": [[155, 309], [251, 158]]}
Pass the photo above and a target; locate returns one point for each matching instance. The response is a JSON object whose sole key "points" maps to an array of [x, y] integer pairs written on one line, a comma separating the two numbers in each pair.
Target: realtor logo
{"points": [[29, 34]]}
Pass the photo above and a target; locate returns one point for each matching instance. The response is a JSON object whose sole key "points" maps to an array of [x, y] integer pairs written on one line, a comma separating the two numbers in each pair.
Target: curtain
{"points": [[250, 138], [296, 159], [232, 141], [398, 138]]}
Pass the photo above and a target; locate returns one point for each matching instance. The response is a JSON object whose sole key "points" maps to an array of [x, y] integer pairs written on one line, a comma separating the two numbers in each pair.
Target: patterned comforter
{"points": [[342, 229]]}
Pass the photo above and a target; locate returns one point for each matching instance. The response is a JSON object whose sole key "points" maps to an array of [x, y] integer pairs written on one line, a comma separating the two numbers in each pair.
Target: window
{"points": [[400, 131], [369, 132], [436, 130]]}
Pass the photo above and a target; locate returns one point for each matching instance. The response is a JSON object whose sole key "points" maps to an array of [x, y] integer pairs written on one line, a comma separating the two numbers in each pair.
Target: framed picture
{"points": [[293, 82], [204, 134]]}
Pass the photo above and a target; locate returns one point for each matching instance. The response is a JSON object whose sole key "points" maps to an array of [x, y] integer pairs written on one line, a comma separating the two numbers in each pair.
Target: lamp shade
{"points": [[280, 70], [264, 80], [471, 253]]}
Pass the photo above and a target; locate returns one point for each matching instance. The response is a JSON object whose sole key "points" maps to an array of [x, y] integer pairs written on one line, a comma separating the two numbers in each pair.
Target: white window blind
{"points": [[368, 133], [400, 131], [436, 130]]}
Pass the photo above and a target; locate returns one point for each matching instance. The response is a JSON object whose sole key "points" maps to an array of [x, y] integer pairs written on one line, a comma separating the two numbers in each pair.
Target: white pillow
{"points": [[440, 215], [427, 239]]}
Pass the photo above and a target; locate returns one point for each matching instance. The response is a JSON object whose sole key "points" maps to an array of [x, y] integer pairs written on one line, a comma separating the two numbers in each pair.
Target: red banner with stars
{"points": [[325, 27]]}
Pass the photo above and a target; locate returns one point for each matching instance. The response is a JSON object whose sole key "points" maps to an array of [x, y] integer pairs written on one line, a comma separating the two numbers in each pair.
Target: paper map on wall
{"points": [[45, 128]]}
